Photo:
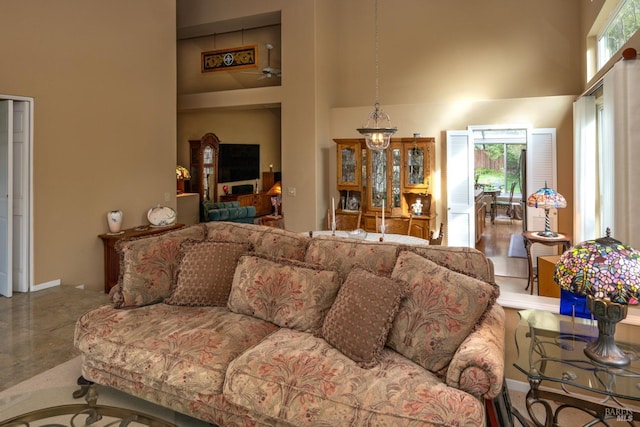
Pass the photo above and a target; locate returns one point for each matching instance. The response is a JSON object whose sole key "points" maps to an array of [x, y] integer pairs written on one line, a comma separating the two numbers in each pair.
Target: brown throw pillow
{"points": [[362, 314], [205, 273]]}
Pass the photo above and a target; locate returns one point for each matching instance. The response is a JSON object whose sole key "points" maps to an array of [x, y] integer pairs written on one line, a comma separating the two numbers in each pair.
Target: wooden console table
{"points": [[111, 258]]}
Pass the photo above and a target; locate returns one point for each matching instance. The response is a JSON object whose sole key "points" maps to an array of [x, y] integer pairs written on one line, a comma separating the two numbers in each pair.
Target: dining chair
{"points": [[395, 225], [507, 206], [345, 221], [436, 239]]}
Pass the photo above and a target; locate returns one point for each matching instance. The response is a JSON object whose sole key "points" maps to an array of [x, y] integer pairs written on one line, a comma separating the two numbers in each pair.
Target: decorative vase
{"points": [[114, 219]]}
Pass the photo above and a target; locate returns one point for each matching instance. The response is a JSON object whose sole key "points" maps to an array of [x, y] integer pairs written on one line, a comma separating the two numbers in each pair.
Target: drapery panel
{"points": [[620, 153], [585, 184]]}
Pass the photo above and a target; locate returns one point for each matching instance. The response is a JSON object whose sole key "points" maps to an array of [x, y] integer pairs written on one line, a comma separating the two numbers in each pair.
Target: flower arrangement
{"points": [[182, 174]]}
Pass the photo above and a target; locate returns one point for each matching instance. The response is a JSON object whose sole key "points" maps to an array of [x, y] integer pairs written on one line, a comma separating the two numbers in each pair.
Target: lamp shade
{"points": [[275, 190], [182, 173], [603, 268], [546, 198]]}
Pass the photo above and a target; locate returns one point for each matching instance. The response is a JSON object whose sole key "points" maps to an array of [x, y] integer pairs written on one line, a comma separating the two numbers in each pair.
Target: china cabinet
{"points": [[203, 155], [393, 179]]}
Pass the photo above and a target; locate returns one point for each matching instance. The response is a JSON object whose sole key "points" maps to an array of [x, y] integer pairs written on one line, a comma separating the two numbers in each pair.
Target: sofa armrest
{"points": [[477, 366]]}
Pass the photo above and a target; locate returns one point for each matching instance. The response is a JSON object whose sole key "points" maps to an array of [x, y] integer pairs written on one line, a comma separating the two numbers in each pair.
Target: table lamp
{"points": [[547, 198], [182, 175], [276, 196], [607, 272]]}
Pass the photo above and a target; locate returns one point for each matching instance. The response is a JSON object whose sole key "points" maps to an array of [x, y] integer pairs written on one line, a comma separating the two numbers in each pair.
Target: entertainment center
{"points": [[212, 162]]}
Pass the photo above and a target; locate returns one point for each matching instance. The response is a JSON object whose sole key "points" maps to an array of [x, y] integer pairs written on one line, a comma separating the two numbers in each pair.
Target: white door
{"points": [[541, 170], [461, 227], [6, 197], [21, 194]]}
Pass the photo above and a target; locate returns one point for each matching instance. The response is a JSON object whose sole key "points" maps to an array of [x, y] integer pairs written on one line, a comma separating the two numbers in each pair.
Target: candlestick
{"points": [[333, 216], [382, 226]]}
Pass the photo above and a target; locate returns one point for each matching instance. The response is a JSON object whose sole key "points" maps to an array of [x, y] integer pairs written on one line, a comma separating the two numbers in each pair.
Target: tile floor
{"points": [[37, 330]]}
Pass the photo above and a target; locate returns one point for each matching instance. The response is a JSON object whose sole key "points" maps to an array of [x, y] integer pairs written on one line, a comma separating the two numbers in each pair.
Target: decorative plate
{"points": [[161, 216]]}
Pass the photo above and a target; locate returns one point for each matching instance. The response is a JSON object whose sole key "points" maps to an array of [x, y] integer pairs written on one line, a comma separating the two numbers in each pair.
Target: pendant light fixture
{"points": [[377, 132]]}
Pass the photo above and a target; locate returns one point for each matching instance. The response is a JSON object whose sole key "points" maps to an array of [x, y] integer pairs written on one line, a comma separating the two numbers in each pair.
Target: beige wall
{"points": [[103, 78], [440, 69]]}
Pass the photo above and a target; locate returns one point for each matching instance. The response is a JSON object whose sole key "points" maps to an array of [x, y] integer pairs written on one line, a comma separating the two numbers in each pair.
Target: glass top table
{"points": [[551, 348]]}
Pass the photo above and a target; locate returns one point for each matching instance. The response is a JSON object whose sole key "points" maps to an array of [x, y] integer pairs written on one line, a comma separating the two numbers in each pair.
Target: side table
{"points": [[531, 237], [111, 258], [551, 351]]}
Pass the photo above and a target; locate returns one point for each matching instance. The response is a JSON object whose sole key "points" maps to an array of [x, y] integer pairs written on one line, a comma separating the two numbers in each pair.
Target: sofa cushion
{"points": [[219, 215], [301, 380], [206, 272], [442, 308], [360, 318], [342, 254], [469, 261], [148, 266], [181, 350], [266, 240], [288, 293]]}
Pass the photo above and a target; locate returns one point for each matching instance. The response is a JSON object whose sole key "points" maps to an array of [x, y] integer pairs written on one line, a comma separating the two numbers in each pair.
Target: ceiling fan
{"points": [[268, 71]]}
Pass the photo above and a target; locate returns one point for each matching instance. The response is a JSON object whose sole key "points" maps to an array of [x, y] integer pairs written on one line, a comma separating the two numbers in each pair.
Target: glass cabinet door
{"points": [[417, 171], [378, 178], [349, 165], [396, 161], [207, 178]]}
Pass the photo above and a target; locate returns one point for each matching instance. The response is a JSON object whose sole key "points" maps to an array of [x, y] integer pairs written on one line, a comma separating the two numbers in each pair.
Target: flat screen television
{"points": [[238, 162]]}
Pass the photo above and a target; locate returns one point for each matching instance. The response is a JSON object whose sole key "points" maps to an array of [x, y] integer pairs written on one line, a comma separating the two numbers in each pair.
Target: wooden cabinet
{"points": [[261, 201], [396, 178], [481, 213], [111, 258], [269, 179], [203, 159]]}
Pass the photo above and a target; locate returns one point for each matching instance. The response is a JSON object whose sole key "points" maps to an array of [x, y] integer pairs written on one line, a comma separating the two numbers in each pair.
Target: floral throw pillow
{"points": [[148, 266], [289, 293], [442, 308], [206, 272], [362, 314]]}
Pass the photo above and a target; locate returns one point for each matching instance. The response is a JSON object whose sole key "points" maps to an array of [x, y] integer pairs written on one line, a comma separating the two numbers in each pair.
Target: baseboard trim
{"points": [[516, 385], [46, 285]]}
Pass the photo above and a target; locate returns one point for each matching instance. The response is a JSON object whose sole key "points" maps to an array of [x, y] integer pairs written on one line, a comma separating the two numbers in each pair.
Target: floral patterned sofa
{"points": [[243, 325]]}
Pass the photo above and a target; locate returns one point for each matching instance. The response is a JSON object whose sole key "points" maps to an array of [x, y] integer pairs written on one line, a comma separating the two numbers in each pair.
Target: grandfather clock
{"points": [[204, 166]]}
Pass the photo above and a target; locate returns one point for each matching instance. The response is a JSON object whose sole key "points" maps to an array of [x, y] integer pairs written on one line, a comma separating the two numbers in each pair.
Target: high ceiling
{"points": [[261, 31]]}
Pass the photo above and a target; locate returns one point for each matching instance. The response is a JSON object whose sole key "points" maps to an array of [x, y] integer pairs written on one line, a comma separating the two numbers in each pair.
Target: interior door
{"points": [[541, 170], [6, 197], [21, 185], [460, 200]]}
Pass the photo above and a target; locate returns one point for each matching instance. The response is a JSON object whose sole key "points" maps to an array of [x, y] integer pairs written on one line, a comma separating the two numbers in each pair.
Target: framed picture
{"points": [[231, 58]]}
